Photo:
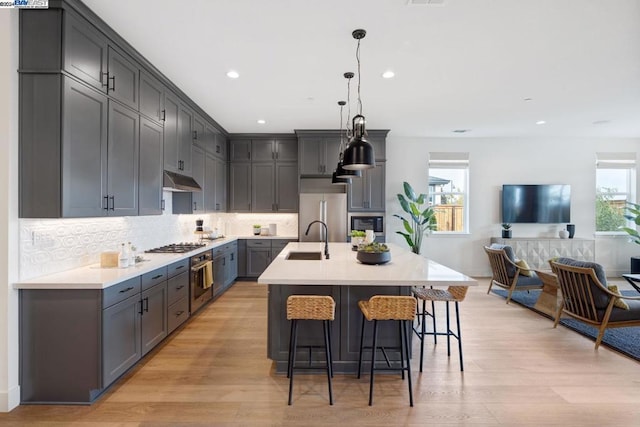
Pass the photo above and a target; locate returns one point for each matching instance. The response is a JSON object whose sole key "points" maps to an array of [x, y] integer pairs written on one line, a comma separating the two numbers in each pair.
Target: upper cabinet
{"points": [[114, 122], [240, 150], [367, 193]]}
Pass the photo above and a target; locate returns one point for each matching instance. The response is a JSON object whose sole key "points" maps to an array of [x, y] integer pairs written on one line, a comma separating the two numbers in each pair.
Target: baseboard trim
{"points": [[10, 399]]}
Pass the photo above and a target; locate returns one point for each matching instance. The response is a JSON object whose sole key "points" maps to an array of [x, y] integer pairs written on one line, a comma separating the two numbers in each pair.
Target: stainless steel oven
{"points": [[201, 280], [367, 221]]}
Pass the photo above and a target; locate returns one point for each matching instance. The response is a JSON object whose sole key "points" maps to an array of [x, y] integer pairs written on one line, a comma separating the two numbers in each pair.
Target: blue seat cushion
{"points": [[620, 315], [508, 250], [532, 280], [600, 298]]}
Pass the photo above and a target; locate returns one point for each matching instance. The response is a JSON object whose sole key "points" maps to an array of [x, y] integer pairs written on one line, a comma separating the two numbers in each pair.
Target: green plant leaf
{"points": [[414, 209], [407, 238], [403, 203], [421, 198], [407, 226], [408, 190]]}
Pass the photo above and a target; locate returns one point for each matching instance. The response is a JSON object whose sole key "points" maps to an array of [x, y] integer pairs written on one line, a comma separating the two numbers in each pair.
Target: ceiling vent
{"points": [[424, 2]]}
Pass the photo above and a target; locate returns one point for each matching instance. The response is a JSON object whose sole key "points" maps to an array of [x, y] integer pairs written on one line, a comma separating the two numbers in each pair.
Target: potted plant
{"points": [[357, 237], [373, 253], [421, 220], [257, 228], [506, 230], [632, 213]]}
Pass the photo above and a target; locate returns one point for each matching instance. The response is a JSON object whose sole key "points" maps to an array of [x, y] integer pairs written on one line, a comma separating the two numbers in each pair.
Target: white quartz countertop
{"points": [[342, 268]]}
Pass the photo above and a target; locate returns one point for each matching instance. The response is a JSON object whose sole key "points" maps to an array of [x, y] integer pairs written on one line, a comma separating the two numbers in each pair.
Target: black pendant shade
{"points": [[359, 154], [335, 180], [341, 172]]}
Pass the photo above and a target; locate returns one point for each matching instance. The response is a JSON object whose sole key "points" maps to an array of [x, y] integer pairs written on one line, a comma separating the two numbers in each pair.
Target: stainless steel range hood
{"points": [[175, 182]]}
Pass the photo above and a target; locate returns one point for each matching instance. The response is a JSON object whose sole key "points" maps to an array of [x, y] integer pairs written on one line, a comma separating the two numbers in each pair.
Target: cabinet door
{"points": [[185, 140], [221, 145], [240, 187], [210, 183], [332, 154], [85, 52], [311, 156], [357, 193], [84, 151], [286, 150], [376, 182], [240, 150], [122, 160], [120, 338], [262, 187], [150, 173], [262, 150], [286, 187], [171, 108], [218, 274], [122, 78], [233, 265], [151, 94], [199, 133], [221, 186], [242, 258], [154, 317], [258, 259], [198, 173]]}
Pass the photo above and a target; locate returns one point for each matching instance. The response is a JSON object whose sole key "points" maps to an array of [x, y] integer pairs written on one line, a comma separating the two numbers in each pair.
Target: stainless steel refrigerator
{"points": [[331, 208]]}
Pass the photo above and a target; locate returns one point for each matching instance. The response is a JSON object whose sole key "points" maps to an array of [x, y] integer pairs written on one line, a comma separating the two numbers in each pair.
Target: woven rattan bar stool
{"points": [[452, 294], [386, 307], [310, 307]]}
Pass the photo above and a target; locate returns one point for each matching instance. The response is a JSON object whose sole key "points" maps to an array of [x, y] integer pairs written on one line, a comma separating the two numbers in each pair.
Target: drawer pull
{"points": [[179, 287], [126, 290], [178, 314], [157, 277], [179, 267]]}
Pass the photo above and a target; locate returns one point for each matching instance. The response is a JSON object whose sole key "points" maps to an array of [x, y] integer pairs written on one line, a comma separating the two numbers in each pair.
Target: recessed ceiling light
{"points": [[461, 130], [261, 121], [388, 74], [528, 99], [540, 122], [233, 74], [601, 122]]}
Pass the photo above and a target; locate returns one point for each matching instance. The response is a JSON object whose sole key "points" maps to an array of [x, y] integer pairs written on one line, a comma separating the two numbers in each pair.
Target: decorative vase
{"points": [[256, 231], [506, 234], [571, 228], [369, 237], [564, 234]]}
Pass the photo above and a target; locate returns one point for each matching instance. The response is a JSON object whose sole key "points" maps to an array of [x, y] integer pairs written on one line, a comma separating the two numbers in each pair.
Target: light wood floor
{"points": [[518, 371]]}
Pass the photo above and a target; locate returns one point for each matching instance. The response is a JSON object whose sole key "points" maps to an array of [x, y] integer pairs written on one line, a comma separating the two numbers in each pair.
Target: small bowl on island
{"points": [[373, 253]]}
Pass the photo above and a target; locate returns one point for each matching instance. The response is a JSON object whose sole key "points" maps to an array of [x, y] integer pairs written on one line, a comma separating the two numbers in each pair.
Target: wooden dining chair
{"points": [[507, 274]]}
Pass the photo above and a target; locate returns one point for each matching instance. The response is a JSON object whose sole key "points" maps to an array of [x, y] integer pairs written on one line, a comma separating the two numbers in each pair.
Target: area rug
{"points": [[623, 340]]}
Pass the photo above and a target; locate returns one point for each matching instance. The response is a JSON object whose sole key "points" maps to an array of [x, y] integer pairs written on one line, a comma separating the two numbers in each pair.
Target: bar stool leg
{"points": [[373, 360], [361, 346], [330, 348], [404, 338], [292, 357], [433, 319], [400, 326], [327, 352], [459, 337], [423, 332], [448, 332], [290, 343]]}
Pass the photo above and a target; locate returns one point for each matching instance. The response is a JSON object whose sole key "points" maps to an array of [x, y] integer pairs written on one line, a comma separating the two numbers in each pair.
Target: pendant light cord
{"points": [[358, 60], [341, 133], [348, 106]]}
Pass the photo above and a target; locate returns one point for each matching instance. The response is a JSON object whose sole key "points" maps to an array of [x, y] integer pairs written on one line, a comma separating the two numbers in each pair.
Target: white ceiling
{"points": [[466, 64]]}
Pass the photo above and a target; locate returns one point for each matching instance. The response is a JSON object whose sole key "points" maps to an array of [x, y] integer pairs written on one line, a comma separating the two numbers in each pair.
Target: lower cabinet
{"points": [[260, 253], [225, 267], [177, 294]]}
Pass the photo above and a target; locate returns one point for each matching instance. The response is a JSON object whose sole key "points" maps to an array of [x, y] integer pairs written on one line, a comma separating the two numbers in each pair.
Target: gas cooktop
{"points": [[176, 248]]}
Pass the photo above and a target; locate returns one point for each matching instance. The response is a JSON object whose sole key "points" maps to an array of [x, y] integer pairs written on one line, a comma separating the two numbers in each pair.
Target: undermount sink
{"points": [[305, 256]]}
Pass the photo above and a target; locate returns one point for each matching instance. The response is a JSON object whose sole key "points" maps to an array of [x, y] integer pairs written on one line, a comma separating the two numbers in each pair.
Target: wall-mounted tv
{"points": [[547, 204]]}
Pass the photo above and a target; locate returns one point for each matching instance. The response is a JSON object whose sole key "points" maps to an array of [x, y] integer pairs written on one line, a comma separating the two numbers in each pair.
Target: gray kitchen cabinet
{"points": [[85, 51], [318, 156], [193, 202], [258, 256], [220, 185], [232, 254], [171, 109], [199, 133], [262, 150], [210, 182], [286, 186], [122, 161], [178, 294], [122, 78], [151, 97], [240, 150], [219, 273], [84, 155], [217, 142], [263, 187], [242, 257], [153, 326], [185, 139], [121, 338], [150, 172], [278, 148], [368, 192], [240, 187]]}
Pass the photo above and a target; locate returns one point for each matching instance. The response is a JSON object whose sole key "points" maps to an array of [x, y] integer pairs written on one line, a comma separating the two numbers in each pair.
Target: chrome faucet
{"points": [[326, 236]]}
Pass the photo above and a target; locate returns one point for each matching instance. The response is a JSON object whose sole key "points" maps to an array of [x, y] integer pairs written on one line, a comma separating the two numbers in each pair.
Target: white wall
{"points": [[498, 161], [9, 388]]}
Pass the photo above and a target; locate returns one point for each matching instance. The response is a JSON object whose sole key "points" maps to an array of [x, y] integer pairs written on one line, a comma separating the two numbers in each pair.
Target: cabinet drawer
{"points": [[217, 251], [178, 267], [178, 288], [177, 314], [120, 292], [254, 243], [154, 277]]}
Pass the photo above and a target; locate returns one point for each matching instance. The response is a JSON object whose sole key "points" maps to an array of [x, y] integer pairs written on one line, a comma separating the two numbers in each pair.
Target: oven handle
{"points": [[199, 266]]}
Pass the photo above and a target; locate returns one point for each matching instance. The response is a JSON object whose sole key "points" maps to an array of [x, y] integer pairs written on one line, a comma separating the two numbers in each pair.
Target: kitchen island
{"points": [[347, 281]]}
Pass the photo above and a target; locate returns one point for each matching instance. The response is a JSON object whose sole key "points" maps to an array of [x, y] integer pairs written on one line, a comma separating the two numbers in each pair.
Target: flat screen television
{"points": [[548, 204]]}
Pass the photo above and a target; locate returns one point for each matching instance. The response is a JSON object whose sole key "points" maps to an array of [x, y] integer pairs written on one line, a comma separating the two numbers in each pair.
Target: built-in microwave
{"points": [[367, 221]]}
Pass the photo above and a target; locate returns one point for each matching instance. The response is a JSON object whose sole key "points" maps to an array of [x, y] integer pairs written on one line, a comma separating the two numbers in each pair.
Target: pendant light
{"points": [[341, 176], [341, 172], [359, 154]]}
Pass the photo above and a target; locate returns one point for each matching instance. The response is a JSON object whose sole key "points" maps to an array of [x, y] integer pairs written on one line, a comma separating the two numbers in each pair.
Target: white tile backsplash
{"points": [[53, 245]]}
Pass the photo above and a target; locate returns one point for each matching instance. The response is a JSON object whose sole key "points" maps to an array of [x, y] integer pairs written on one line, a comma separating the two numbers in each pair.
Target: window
{"points": [[615, 186], [449, 191]]}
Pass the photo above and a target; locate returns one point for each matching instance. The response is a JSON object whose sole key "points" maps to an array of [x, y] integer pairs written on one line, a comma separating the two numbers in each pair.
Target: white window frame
{"points": [[626, 161], [451, 160]]}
